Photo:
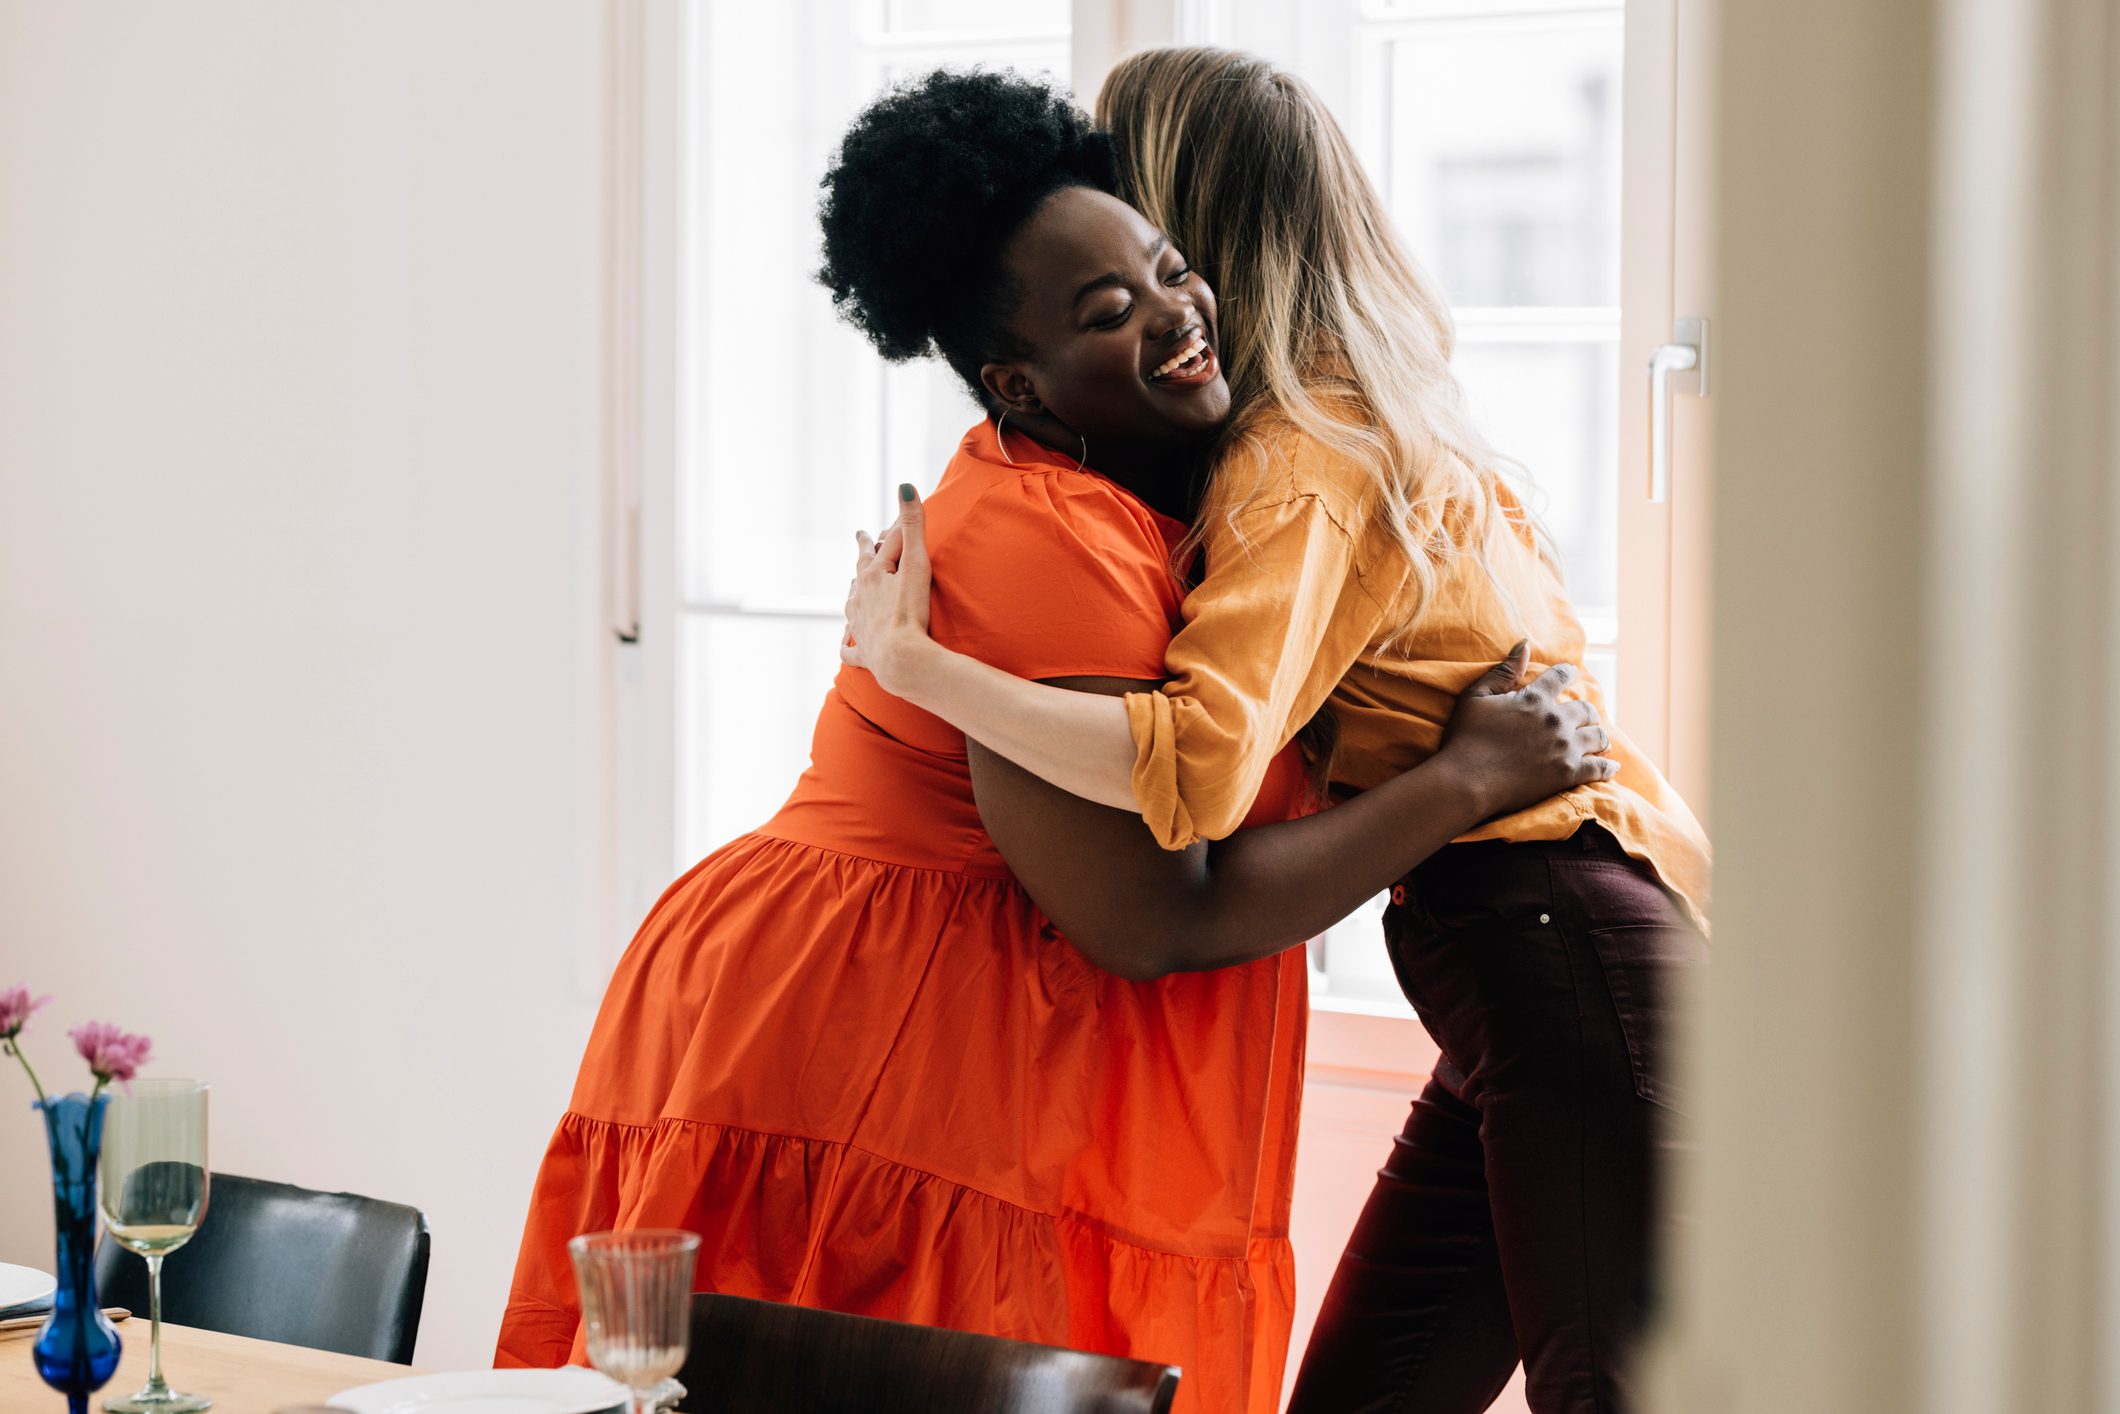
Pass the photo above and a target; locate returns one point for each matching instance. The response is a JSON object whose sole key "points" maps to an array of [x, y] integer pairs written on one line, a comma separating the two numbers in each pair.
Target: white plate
{"points": [[570, 1390], [21, 1284]]}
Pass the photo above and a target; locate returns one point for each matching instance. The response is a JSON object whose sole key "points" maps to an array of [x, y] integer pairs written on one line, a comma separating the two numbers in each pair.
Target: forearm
{"points": [[1141, 911], [1078, 741], [1271, 887]]}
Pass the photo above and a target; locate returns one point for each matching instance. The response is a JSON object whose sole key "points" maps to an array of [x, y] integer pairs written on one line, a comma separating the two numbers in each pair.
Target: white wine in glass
{"points": [[154, 1189]]}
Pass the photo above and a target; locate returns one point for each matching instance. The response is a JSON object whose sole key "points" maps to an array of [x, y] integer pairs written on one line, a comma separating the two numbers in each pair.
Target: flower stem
{"points": [[14, 1048]]}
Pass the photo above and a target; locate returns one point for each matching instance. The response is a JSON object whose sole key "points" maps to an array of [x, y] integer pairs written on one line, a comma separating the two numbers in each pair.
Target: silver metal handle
{"points": [[1688, 349], [625, 303]]}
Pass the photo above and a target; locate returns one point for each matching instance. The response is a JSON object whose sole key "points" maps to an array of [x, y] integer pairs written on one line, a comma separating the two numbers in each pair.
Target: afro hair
{"points": [[928, 186]]}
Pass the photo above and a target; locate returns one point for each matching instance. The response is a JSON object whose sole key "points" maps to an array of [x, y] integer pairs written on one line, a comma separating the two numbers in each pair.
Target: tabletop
{"points": [[243, 1376]]}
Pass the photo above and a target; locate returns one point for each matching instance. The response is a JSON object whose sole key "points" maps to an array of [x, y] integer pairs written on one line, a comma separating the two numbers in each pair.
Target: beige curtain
{"points": [[1904, 1196]]}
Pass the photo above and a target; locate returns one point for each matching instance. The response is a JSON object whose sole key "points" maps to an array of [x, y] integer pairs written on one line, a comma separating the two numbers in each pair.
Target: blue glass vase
{"points": [[77, 1351]]}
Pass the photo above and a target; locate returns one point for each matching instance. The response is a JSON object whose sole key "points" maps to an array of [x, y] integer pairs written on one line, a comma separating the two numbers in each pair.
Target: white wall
{"points": [[303, 674]]}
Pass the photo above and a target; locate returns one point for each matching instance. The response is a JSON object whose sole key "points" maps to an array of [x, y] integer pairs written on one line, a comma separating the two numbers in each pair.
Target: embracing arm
{"points": [[1265, 642], [1078, 740], [1141, 911]]}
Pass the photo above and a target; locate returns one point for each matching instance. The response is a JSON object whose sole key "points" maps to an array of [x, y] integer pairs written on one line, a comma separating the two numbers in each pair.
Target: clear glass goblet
{"points": [[154, 1196], [636, 1295]]}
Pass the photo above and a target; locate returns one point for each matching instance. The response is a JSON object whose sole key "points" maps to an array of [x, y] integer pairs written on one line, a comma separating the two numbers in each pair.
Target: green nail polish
{"points": [[905, 490]]}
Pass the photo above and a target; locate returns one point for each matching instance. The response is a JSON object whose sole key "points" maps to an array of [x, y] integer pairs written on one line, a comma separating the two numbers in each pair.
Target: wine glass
{"points": [[636, 1293], [154, 1194]]}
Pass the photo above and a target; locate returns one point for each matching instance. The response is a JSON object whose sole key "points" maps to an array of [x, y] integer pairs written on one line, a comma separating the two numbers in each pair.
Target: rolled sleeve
{"points": [[1280, 618]]}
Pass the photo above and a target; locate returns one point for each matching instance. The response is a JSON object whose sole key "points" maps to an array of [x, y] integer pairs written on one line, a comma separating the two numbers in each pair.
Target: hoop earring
{"points": [[1081, 461], [1002, 441]]}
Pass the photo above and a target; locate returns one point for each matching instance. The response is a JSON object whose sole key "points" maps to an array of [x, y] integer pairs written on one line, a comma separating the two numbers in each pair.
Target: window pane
{"points": [[1603, 665], [926, 412], [774, 441], [960, 16], [1551, 408], [1502, 158], [1357, 969], [747, 698], [1039, 61], [793, 440]]}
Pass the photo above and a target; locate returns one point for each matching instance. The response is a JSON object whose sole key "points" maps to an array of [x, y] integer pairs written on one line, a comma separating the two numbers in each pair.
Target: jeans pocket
{"points": [[1649, 968]]}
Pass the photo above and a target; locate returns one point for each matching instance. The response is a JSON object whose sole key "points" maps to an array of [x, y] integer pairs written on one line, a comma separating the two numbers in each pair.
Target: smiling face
{"points": [[1120, 336]]}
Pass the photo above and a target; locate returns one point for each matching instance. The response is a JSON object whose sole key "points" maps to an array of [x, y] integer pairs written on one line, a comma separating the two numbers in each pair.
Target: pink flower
{"points": [[111, 1053], [15, 1007]]}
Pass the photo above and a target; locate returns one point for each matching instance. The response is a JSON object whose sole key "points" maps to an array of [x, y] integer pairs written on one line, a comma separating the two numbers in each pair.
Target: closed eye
{"points": [[1181, 277], [1114, 321]]}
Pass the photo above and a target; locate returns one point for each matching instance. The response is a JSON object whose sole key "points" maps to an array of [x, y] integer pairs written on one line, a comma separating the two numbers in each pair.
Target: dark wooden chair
{"points": [[756, 1357], [330, 1271]]}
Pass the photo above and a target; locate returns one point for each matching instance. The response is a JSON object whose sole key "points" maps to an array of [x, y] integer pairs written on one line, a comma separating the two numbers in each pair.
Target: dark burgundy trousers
{"points": [[1514, 1218]]}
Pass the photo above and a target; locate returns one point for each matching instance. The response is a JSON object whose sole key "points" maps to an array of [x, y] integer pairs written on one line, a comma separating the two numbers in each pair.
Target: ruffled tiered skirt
{"points": [[894, 1091]]}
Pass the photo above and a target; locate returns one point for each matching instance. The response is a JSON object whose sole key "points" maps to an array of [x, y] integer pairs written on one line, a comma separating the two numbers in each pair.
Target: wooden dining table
{"points": [[243, 1376]]}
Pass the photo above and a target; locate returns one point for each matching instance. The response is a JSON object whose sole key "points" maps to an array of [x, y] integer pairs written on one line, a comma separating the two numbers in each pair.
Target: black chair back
{"points": [[756, 1357], [330, 1271]]}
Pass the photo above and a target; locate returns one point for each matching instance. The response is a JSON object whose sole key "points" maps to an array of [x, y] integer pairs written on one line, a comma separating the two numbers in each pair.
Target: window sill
{"points": [[1367, 1046]]}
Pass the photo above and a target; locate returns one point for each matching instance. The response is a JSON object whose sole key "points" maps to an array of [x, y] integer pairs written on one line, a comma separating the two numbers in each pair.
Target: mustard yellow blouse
{"points": [[1297, 599]]}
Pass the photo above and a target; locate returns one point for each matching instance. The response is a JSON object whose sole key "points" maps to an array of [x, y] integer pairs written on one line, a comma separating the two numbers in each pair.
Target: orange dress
{"points": [[850, 1052]]}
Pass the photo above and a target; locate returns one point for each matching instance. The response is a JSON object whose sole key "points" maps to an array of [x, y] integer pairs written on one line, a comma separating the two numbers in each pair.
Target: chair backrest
{"points": [[757, 1357], [330, 1271]]}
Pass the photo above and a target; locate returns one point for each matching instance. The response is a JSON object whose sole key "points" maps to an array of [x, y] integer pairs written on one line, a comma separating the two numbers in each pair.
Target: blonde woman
{"points": [[1363, 554]]}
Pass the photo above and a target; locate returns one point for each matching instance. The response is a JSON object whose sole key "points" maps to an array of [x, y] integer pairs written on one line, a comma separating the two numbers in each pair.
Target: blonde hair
{"points": [[1330, 327]]}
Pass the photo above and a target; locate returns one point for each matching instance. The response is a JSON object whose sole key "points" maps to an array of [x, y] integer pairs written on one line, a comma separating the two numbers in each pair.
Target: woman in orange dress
{"points": [[849, 1049]]}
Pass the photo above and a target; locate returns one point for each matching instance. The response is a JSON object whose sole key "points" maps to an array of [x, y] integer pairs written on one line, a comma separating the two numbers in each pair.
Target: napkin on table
{"points": [[26, 1308]]}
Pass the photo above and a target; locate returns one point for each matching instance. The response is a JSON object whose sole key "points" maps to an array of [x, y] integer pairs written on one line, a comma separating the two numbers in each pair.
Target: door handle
{"points": [[1688, 349]]}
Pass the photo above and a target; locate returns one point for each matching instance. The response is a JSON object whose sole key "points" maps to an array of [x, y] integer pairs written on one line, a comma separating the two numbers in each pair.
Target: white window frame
{"points": [[650, 46], [1341, 48]]}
